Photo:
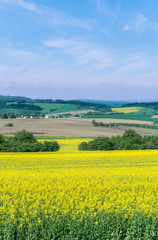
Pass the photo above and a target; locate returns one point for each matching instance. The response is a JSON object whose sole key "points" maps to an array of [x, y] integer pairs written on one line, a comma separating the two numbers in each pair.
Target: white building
{"points": [[36, 117], [52, 116]]}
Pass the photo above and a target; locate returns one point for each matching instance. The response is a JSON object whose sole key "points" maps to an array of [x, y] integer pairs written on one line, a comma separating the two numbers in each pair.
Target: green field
{"points": [[147, 111], [140, 117], [16, 111], [58, 108], [47, 108], [18, 105]]}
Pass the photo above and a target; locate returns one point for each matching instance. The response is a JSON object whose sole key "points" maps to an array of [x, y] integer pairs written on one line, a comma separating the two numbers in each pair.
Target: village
{"points": [[76, 114]]}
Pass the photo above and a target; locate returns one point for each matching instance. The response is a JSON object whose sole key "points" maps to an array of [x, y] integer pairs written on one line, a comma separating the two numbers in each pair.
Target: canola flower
{"points": [[127, 109], [35, 187]]}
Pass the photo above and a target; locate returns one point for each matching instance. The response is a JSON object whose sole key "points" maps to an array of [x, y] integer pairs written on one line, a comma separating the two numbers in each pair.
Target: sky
{"points": [[70, 49]]}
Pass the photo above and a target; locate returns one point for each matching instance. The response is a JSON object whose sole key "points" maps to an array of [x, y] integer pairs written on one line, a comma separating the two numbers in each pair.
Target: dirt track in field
{"points": [[155, 116], [76, 112], [65, 127]]}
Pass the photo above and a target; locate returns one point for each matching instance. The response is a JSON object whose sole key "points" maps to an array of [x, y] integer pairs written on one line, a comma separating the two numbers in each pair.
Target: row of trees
{"points": [[101, 124], [24, 106], [130, 140], [152, 105], [24, 141]]}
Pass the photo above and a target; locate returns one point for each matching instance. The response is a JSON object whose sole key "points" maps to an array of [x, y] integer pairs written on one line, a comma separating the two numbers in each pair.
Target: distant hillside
{"points": [[109, 103], [13, 98], [151, 105], [23, 105]]}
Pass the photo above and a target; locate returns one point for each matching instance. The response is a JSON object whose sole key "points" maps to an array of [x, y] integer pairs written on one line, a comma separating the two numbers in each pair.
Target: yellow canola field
{"points": [[127, 109], [34, 186]]}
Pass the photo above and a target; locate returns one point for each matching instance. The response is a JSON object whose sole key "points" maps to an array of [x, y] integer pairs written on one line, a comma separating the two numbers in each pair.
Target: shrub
{"points": [[2, 139], [83, 146], [9, 145], [116, 140], [29, 147], [8, 125], [151, 142], [129, 141], [50, 146], [24, 141], [100, 143], [24, 136]]}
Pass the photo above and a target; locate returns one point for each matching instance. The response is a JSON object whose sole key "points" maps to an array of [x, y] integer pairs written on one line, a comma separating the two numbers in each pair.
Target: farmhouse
{"points": [[52, 116], [36, 117]]}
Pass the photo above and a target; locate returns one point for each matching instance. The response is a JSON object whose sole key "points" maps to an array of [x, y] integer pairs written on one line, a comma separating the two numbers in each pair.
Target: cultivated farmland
{"points": [[127, 109], [67, 127], [79, 195]]}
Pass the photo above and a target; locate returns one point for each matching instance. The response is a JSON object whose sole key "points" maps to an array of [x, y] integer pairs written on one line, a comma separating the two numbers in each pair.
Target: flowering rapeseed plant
{"points": [[38, 189]]}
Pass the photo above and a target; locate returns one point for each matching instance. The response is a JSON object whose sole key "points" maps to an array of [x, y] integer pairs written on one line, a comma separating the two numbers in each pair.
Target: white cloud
{"points": [[126, 28], [26, 5], [84, 52], [19, 54], [133, 67], [97, 68], [87, 64], [143, 23], [101, 6], [20, 3], [57, 17], [46, 15], [110, 10], [19, 57]]}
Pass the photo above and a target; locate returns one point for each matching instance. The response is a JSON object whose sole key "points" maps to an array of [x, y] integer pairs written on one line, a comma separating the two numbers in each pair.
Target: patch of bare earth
{"points": [[112, 120], [155, 116], [77, 112], [64, 127]]}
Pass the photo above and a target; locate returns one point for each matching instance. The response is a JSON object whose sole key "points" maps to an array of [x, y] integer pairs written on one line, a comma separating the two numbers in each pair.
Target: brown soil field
{"points": [[112, 120], [155, 116], [65, 127], [77, 112]]}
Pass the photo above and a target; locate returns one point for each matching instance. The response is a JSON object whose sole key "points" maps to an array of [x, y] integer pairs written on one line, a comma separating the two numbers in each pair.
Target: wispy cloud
{"points": [[17, 53], [126, 28], [18, 57], [101, 6], [26, 5], [140, 24], [132, 67], [143, 23], [83, 51], [21, 3], [46, 15], [57, 17], [110, 10]]}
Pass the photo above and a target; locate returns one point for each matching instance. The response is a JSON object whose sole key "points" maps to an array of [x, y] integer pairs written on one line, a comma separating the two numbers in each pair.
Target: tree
{"points": [[5, 116], [50, 146], [131, 140], [25, 136], [12, 115], [2, 139], [83, 146], [100, 143], [24, 141]]}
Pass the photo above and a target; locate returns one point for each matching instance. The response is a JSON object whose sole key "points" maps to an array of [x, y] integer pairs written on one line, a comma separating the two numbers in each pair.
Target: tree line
{"points": [[130, 140], [101, 124], [152, 105], [24, 141], [24, 106]]}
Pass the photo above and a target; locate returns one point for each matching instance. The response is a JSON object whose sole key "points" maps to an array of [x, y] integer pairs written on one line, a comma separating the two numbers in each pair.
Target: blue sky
{"points": [[70, 49]]}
